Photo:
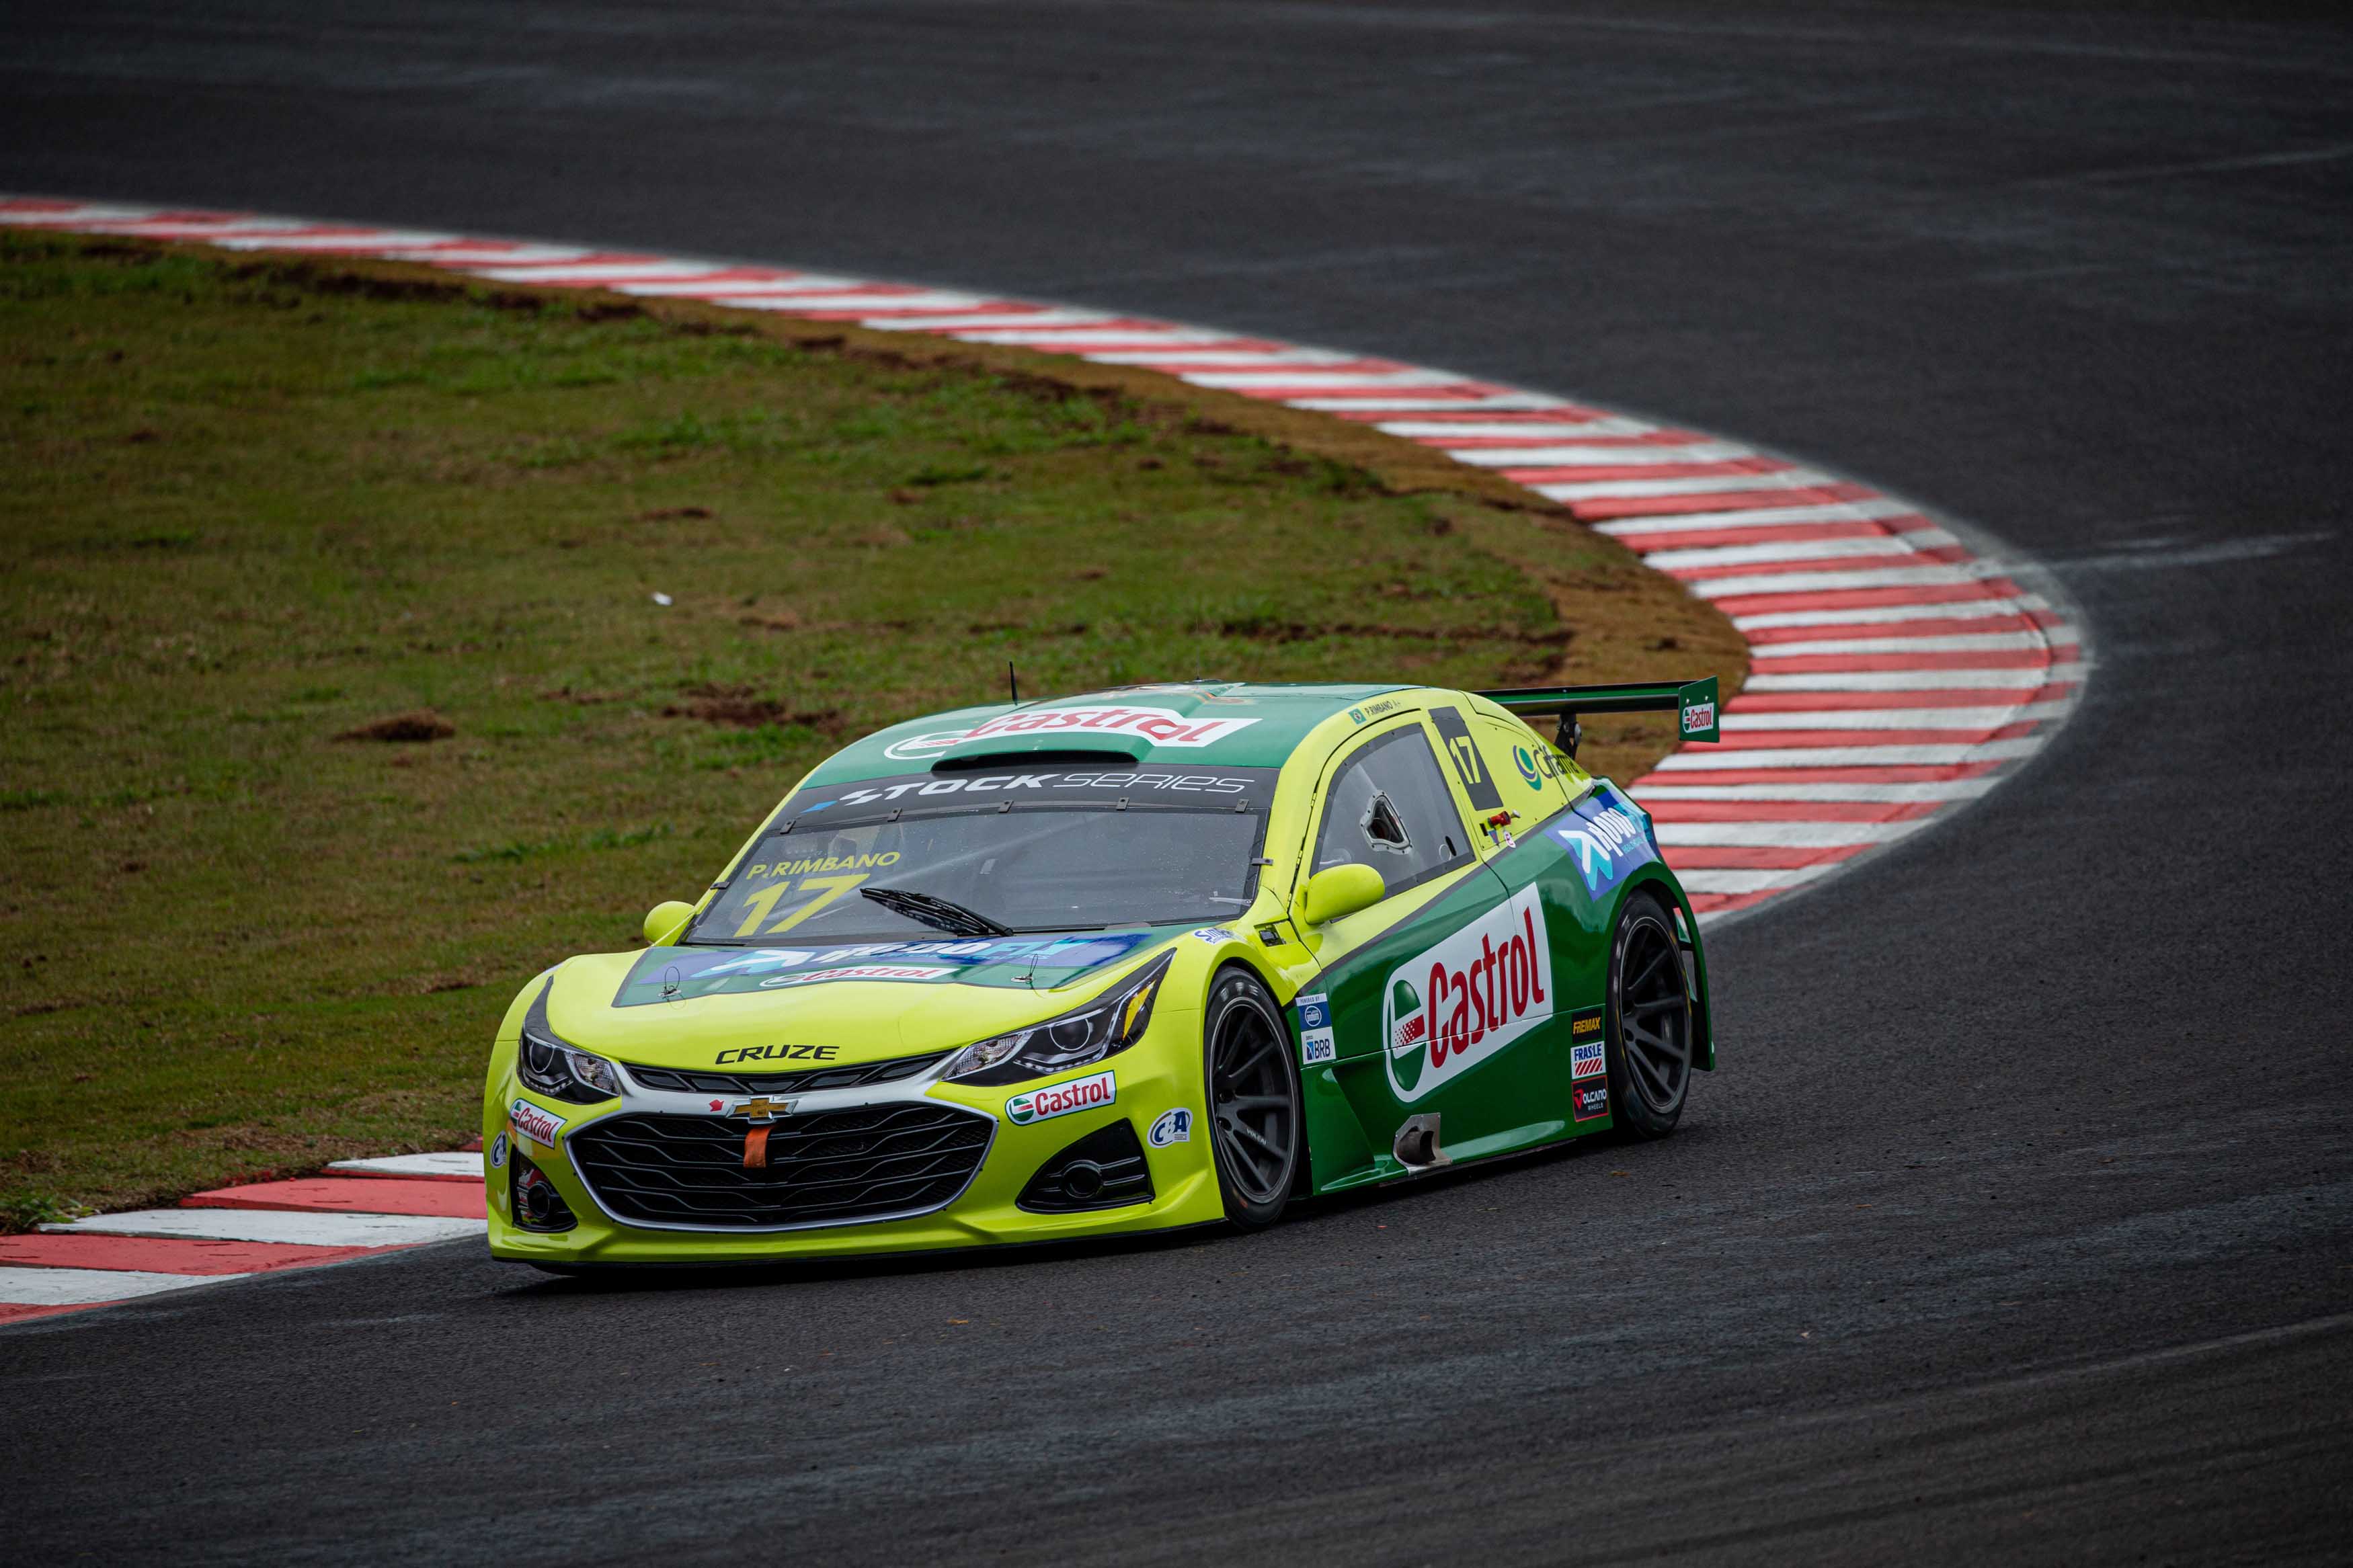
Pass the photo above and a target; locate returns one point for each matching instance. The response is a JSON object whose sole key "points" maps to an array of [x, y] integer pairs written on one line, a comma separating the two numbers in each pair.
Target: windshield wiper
{"points": [[937, 913]]}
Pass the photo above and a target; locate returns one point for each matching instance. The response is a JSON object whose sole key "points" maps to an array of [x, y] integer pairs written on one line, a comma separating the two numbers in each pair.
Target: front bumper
{"points": [[1160, 1073]]}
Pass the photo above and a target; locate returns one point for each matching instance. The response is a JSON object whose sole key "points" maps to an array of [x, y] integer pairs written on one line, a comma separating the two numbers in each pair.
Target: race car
{"points": [[1129, 961]]}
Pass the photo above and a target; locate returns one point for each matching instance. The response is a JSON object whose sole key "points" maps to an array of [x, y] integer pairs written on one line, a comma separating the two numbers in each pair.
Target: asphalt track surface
{"points": [[2016, 1225]]}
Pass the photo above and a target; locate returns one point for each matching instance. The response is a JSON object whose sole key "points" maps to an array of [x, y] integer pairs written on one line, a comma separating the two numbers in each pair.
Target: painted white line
{"points": [[1955, 642], [599, 271], [1942, 574], [369, 242], [1879, 793], [1226, 359], [1785, 834], [1870, 510], [971, 319], [1754, 882], [1501, 402], [1782, 550], [1882, 614], [1051, 339], [1316, 381], [1722, 759], [704, 287], [280, 1225], [487, 252], [942, 302], [1719, 484], [91, 215], [1917, 679], [1440, 432], [458, 1164], [1598, 456], [80, 1287], [1896, 718]]}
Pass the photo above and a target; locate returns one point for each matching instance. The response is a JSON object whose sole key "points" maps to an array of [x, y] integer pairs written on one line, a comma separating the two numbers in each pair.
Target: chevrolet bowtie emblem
{"points": [[764, 1108]]}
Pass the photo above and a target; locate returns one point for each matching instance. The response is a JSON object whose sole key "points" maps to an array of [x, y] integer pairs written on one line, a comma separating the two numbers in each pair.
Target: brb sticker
{"points": [[1174, 1127], [1315, 1029]]}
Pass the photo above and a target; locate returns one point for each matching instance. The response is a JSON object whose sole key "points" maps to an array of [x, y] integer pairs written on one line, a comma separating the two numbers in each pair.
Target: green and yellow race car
{"points": [[1162, 956]]}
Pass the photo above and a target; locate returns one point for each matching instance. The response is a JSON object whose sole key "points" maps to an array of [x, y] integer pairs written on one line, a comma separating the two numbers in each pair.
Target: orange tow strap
{"points": [[755, 1149]]}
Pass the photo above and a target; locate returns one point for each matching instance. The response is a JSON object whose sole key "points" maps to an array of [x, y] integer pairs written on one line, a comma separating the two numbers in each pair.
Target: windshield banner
{"points": [[1206, 789], [679, 974]]}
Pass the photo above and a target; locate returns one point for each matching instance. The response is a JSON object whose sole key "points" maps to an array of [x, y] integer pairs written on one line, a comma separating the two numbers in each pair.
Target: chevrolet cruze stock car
{"points": [[1164, 956]]}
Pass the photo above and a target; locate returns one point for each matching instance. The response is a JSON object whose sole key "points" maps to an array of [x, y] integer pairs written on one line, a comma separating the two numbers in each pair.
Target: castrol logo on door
{"points": [[1456, 1003]]}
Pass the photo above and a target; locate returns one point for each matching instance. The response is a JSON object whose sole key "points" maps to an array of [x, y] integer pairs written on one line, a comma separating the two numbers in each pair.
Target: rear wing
{"points": [[1694, 702]]}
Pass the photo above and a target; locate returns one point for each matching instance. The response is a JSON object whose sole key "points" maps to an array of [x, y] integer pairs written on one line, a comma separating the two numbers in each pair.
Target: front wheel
{"points": [[1256, 1132], [1650, 1020]]}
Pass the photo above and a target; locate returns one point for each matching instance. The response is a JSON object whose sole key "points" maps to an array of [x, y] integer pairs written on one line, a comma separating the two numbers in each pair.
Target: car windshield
{"points": [[1048, 851]]}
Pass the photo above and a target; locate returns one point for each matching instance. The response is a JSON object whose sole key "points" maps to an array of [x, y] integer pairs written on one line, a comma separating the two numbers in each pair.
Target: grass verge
{"points": [[379, 638]]}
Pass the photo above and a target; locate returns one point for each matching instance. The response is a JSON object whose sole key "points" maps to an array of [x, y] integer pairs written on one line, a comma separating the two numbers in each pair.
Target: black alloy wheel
{"points": [[1256, 1132], [1650, 1020]]}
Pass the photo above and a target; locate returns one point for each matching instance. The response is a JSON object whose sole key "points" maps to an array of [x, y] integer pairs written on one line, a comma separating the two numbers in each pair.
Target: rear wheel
{"points": [[1650, 1020], [1256, 1132]]}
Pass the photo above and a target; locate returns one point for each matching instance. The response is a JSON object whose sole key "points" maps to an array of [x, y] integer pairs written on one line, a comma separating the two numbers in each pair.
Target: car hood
{"points": [[686, 1006]]}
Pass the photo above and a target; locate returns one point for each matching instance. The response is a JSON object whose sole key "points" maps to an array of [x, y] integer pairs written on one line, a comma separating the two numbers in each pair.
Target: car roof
{"points": [[1218, 723]]}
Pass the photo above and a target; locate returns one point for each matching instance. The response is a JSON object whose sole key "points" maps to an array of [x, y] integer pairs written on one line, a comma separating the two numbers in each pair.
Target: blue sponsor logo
{"points": [[1315, 1011], [1607, 836]]}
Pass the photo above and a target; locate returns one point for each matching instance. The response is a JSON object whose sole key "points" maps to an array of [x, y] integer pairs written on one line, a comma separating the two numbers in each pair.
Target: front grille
{"points": [[856, 1077], [826, 1168]]}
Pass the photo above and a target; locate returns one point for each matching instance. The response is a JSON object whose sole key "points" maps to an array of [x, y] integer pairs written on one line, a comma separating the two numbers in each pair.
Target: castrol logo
{"points": [[1062, 1098], [1454, 1006]]}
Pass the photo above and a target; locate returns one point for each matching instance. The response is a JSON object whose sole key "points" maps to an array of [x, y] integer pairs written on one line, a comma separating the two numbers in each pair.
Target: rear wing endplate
{"points": [[1693, 702]]}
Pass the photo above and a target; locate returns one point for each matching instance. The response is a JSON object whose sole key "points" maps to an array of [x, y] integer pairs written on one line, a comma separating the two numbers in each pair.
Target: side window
{"points": [[1388, 809]]}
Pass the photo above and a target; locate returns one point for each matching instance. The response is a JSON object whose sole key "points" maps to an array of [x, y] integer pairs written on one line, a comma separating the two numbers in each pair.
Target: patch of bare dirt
{"points": [[419, 724]]}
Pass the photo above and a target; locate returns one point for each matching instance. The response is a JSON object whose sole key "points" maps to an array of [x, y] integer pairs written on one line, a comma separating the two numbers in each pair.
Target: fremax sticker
{"points": [[1585, 1054], [1460, 1001], [1062, 1098], [530, 1121], [1173, 1127]]}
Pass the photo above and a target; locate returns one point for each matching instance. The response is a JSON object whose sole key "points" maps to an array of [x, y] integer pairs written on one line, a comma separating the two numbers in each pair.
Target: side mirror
{"points": [[1340, 890], [664, 921]]}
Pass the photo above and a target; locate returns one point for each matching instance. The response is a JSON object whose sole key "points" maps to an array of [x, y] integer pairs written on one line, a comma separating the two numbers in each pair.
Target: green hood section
{"points": [[663, 974], [1228, 723]]}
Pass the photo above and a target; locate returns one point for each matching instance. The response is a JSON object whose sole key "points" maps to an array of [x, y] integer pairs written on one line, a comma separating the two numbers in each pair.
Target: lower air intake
{"points": [[832, 1167], [1103, 1170]]}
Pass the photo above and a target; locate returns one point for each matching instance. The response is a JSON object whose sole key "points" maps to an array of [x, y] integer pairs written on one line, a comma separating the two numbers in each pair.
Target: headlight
{"points": [[1112, 1022], [556, 1070]]}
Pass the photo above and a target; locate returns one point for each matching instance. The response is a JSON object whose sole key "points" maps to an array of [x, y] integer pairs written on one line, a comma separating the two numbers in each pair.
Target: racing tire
{"points": [[1258, 1137], [1649, 1023]]}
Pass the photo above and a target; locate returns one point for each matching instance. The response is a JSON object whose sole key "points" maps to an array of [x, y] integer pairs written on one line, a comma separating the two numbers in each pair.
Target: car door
{"points": [[1427, 991]]}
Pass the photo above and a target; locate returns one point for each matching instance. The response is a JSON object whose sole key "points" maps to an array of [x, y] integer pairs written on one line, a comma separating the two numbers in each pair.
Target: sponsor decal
{"points": [[814, 863], [1314, 1010], [777, 1054], [1044, 962], [1464, 753], [1174, 1127], [1161, 726], [1604, 840], [530, 1121], [1525, 761], [1062, 1098], [917, 747], [1315, 1046], [1462, 1001], [1592, 1102], [1213, 935], [1699, 718], [859, 972], [1372, 711], [1585, 1058], [1315, 1029], [498, 1151], [1111, 783]]}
